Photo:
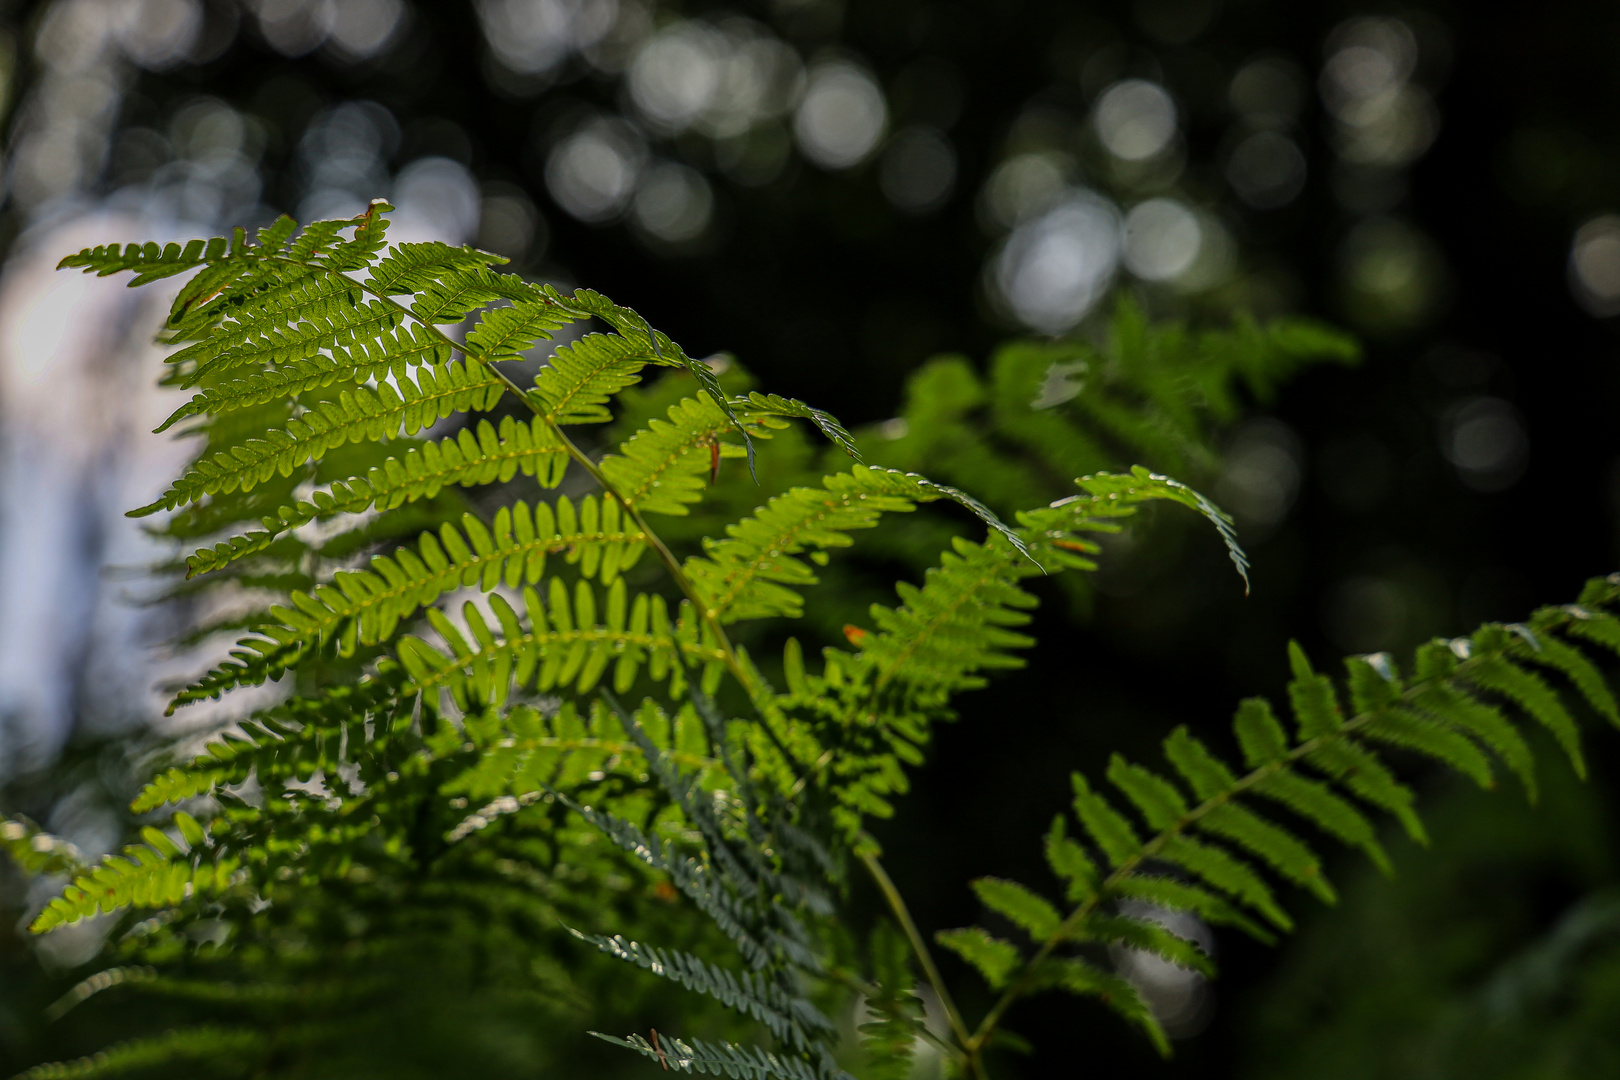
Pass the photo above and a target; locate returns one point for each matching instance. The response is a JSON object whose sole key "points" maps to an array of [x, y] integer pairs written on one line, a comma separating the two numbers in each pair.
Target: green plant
{"points": [[584, 756]]}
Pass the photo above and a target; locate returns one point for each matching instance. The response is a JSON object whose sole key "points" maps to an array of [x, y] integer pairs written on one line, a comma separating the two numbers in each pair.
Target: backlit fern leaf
{"points": [[580, 379], [561, 643], [153, 874], [366, 606], [36, 851], [396, 354], [471, 775], [481, 455], [945, 636], [632, 327], [292, 738], [753, 572]]}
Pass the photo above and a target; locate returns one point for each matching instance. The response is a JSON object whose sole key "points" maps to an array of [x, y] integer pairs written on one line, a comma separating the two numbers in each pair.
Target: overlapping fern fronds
{"points": [[341, 384], [508, 711]]}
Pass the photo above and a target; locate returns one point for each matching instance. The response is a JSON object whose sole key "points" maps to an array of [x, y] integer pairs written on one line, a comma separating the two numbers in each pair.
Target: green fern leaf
{"points": [[629, 324], [356, 415], [789, 1019], [366, 606], [992, 957], [1530, 692], [826, 423], [722, 1059], [1286, 855], [1028, 911], [1080, 978], [1106, 825], [1259, 734], [662, 468], [1070, 862], [203, 1043], [1160, 804], [1150, 937], [398, 353], [38, 852], [1317, 803], [472, 457], [1176, 895], [1226, 873]]}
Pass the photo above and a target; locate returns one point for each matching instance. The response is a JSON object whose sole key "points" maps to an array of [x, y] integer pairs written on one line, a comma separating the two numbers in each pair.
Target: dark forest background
{"points": [[1451, 259]]}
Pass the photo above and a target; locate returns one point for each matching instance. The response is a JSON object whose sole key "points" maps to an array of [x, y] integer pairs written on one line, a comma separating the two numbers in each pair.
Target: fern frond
{"points": [[411, 268], [724, 1059], [960, 624], [580, 379], [633, 327], [1450, 710], [695, 881], [753, 573], [150, 261], [826, 422], [1048, 410], [358, 414], [291, 738], [563, 644], [202, 1043], [991, 956], [395, 354], [364, 607], [323, 311], [472, 457], [156, 873], [789, 1018], [36, 851], [1027, 910], [662, 468]]}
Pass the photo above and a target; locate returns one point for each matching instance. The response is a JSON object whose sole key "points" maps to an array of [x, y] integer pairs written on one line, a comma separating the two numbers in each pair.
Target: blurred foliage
{"points": [[1495, 953]]}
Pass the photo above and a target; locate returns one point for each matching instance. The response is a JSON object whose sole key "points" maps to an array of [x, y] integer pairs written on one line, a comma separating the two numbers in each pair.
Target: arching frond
{"points": [[1210, 842]]}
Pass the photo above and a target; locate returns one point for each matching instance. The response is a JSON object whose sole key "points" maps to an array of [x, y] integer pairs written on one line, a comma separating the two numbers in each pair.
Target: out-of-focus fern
{"points": [[515, 722], [1046, 411]]}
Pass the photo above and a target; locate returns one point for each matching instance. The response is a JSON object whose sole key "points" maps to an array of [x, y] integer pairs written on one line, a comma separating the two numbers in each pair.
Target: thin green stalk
{"points": [[925, 959]]}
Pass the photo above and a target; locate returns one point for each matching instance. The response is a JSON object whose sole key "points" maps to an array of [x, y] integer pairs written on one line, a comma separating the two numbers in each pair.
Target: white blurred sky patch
{"points": [[78, 400]]}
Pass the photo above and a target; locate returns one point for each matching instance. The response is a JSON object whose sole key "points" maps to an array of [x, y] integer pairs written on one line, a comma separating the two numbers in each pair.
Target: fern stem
{"points": [[654, 541], [1031, 970], [902, 914]]}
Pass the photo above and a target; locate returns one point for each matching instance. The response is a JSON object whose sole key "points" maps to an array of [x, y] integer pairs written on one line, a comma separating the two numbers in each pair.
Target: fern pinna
{"points": [[517, 727]]}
